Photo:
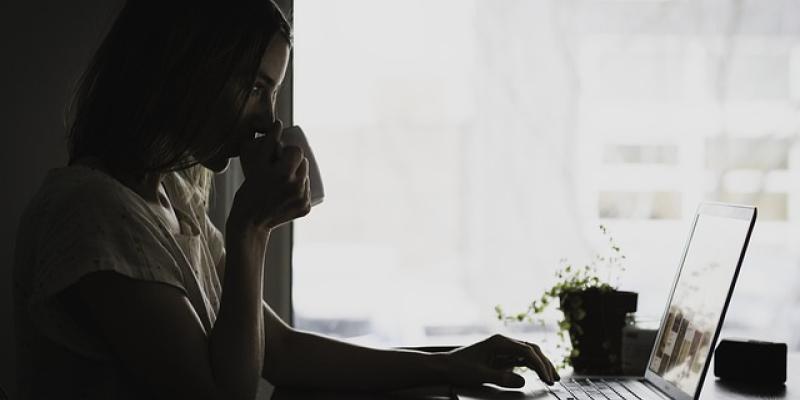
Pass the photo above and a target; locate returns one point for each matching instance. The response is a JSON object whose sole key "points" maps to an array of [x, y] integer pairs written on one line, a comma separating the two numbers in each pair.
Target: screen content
{"points": [[696, 305]]}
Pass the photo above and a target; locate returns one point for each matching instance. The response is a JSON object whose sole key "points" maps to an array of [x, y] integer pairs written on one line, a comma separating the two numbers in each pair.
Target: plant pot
{"points": [[596, 317]]}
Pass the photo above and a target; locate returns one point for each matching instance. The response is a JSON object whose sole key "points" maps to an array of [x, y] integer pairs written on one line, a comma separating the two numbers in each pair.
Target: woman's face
{"points": [[258, 113]]}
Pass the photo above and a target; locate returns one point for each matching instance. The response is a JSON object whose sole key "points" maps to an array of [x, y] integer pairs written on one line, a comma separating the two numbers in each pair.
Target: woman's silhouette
{"points": [[123, 286]]}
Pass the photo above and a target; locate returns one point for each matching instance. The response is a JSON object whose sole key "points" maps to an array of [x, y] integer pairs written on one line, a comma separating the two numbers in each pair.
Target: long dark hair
{"points": [[167, 72]]}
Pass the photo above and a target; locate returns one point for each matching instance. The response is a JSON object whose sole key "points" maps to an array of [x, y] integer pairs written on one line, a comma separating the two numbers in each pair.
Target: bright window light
{"points": [[468, 145]]}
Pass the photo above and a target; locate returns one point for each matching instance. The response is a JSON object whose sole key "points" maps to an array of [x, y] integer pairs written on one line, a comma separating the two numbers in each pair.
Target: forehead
{"points": [[274, 60]]}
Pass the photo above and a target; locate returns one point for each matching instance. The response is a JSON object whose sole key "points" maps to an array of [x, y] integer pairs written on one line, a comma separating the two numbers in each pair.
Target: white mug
{"points": [[294, 136]]}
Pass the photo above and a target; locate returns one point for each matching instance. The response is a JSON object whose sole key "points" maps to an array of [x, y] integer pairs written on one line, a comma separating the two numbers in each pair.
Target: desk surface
{"points": [[713, 389]]}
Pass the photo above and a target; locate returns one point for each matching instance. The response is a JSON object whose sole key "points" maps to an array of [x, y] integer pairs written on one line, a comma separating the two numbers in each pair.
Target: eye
{"points": [[257, 89]]}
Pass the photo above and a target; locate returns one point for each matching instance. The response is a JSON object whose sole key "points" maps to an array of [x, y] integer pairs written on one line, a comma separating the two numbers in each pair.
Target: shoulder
{"points": [[82, 221], [81, 191], [82, 205]]}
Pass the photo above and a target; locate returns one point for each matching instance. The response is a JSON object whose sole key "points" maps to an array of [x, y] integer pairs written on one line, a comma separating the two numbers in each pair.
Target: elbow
{"points": [[278, 356], [275, 374], [272, 372]]}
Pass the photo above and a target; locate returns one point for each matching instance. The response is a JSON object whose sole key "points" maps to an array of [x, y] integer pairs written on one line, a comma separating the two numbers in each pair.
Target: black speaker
{"points": [[750, 361]]}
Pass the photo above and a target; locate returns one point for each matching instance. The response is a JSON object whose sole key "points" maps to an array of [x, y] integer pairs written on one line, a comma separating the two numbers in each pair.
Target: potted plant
{"points": [[594, 311]]}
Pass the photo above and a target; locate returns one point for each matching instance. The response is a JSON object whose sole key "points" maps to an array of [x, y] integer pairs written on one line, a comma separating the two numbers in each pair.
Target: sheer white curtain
{"points": [[467, 146]]}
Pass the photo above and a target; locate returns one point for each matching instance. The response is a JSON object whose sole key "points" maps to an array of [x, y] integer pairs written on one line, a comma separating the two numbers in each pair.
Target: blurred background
{"points": [[468, 145]]}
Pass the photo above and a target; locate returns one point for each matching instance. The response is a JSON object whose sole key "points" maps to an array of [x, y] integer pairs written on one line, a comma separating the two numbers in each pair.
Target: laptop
{"points": [[691, 322]]}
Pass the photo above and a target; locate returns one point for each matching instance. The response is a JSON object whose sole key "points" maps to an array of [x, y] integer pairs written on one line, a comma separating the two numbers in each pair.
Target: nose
{"points": [[273, 115]]}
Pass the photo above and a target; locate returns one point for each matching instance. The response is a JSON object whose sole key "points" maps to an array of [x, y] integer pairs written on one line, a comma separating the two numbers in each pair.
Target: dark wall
{"points": [[45, 45]]}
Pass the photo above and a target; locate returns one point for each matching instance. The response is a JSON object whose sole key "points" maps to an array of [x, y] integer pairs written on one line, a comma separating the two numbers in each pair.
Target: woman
{"points": [[125, 289]]}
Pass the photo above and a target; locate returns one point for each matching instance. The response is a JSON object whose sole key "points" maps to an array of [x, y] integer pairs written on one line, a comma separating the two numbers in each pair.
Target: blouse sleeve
{"points": [[86, 232]]}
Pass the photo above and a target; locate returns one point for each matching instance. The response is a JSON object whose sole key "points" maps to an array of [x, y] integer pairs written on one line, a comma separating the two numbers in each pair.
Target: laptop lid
{"points": [[699, 298]]}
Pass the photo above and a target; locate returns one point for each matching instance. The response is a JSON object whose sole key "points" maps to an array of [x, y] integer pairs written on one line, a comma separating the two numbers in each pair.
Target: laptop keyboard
{"points": [[599, 389]]}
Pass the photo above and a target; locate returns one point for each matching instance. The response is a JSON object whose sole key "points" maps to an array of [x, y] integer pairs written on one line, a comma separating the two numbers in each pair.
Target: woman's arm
{"points": [[156, 334], [236, 343], [296, 358]]}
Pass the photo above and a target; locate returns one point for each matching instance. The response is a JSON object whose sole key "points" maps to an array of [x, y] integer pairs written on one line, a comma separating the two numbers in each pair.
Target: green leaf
{"points": [[499, 311]]}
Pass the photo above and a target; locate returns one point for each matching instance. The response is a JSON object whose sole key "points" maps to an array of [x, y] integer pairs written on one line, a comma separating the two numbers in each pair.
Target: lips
{"points": [[232, 147]]}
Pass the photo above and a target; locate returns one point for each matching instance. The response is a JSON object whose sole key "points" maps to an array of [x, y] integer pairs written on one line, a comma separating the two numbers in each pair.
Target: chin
{"points": [[218, 165]]}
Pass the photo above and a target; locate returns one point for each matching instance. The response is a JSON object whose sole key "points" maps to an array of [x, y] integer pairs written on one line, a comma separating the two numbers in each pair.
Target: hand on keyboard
{"points": [[493, 360]]}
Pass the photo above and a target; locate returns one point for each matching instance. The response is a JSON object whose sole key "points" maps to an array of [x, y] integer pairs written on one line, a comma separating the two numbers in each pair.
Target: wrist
{"points": [[243, 231]]}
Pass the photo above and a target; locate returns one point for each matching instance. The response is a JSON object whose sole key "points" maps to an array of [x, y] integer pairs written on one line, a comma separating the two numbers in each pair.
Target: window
{"points": [[467, 146]]}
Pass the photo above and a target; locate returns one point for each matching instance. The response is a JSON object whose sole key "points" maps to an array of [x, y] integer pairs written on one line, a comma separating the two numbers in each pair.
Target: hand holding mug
{"points": [[276, 188]]}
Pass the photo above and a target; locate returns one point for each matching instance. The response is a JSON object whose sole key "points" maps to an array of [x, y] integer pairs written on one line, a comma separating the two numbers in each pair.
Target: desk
{"points": [[713, 389]]}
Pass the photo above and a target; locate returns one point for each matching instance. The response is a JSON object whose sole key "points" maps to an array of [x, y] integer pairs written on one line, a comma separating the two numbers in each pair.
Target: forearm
{"points": [[316, 361], [236, 343]]}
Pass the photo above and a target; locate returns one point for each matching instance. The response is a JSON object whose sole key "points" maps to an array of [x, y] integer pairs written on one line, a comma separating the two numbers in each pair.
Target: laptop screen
{"points": [[698, 299]]}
